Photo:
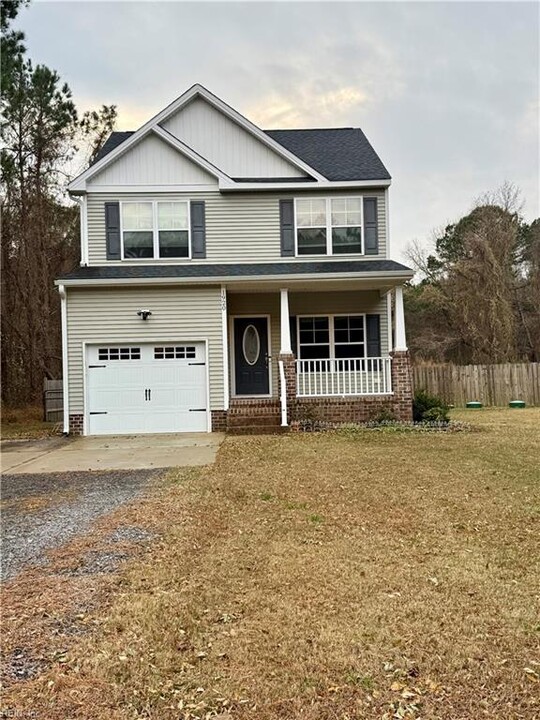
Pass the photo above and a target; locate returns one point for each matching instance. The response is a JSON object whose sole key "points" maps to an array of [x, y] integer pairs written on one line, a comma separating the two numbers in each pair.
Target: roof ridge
{"points": [[309, 129]]}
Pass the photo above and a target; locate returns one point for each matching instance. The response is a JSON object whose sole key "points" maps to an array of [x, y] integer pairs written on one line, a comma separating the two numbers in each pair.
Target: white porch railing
{"points": [[357, 376]]}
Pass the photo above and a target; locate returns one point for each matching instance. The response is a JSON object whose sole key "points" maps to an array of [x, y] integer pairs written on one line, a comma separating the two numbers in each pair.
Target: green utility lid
{"points": [[516, 404], [474, 404]]}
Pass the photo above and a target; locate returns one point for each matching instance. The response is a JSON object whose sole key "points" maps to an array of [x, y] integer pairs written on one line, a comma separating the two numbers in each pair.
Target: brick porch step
{"points": [[266, 419], [257, 430]]}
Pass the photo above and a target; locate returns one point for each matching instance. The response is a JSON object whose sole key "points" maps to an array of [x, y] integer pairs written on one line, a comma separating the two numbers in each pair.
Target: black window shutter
{"points": [[286, 219], [112, 230], [294, 339], [373, 328], [371, 239], [198, 229]]}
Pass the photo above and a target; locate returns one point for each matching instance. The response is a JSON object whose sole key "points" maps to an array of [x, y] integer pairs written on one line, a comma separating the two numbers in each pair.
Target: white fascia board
{"points": [[78, 185], [326, 185], [394, 277], [147, 189]]}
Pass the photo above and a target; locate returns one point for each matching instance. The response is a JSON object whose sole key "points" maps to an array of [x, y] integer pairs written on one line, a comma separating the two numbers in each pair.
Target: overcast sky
{"points": [[446, 92]]}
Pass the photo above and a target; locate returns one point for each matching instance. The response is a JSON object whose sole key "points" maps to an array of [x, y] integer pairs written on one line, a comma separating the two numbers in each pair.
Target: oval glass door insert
{"points": [[251, 344]]}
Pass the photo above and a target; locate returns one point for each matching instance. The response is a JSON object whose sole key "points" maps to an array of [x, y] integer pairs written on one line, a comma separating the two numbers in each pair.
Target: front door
{"points": [[251, 356]]}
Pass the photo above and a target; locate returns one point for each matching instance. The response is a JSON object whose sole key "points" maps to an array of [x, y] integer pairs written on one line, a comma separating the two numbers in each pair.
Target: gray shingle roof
{"points": [[113, 141], [336, 153], [206, 272]]}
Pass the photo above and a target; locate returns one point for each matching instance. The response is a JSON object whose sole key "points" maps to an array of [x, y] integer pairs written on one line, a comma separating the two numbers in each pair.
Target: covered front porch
{"points": [[313, 344]]}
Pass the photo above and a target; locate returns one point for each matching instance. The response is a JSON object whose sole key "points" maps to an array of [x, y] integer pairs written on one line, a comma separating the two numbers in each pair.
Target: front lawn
{"points": [[26, 423], [346, 576]]}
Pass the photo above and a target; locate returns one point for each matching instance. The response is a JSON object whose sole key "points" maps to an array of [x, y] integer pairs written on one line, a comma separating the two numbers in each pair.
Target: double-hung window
{"points": [[155, 230], [329, 226], [336, 337], [311, 223]]}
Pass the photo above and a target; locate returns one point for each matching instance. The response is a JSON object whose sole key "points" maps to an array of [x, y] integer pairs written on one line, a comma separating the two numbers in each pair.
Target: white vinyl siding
{"points": [[152, 162], [227, 145], [239, 227], [109, 316], [345, 302]]}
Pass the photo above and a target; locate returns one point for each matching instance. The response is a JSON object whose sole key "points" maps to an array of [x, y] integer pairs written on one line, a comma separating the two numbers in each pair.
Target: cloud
{"points": [[330, 108], [446, 92]]}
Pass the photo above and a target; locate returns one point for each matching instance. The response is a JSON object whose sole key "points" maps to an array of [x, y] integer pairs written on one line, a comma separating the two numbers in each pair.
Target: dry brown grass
{"points": [[376, 575], [25, 423]]}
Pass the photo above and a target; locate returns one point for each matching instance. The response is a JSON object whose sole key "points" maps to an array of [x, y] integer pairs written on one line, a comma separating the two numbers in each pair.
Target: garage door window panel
{"points": [[175, 353], [119, 353]]}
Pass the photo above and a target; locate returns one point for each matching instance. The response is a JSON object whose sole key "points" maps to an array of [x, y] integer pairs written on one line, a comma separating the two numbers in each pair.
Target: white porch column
{"points": [[389, 320], [285, 348], [400, 339], [225, 344]]}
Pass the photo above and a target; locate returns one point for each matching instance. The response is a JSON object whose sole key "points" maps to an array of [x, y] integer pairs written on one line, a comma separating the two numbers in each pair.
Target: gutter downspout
{"points": [[65, 384]]}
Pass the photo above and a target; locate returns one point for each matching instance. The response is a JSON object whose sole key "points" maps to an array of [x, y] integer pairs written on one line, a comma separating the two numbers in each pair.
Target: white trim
{"points": [[331, 335], [284, 323], [399, 317], [323, 184], [65, 356], [233, 359], [155, 228], [82, 202], [389, 321], [282, 393], [147, 189], [79, 183], [390, 276], [225, 342], [208, 403], [329, 226], [387, 222], [138, 341]]}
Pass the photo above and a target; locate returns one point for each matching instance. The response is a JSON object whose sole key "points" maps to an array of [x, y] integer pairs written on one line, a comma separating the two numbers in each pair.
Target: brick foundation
{"points": [[219, 420], [76, 424]]}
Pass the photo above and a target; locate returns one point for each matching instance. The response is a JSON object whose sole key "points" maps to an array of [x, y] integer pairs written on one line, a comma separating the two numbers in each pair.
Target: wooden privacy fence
{"points": [[53, 400], [490, 384]]}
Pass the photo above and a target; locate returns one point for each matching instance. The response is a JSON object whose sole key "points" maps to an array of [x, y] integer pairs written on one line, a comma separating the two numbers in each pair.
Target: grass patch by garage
{"points": [[338, 575]]}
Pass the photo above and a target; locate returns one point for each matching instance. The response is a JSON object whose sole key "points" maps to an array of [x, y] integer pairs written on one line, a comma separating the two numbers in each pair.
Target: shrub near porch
{"points": [[342, 575]]}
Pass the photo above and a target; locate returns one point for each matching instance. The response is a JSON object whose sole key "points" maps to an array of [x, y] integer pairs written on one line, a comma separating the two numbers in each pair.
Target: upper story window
{"points": [[155, 230], [329, 226]]}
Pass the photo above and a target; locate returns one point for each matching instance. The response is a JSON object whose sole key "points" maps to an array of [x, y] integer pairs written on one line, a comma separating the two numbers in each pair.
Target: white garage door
{"points": [[142, 388]]}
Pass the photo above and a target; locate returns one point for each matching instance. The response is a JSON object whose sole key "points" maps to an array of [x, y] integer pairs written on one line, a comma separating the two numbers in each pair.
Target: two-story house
{"points": [[232, 278]]}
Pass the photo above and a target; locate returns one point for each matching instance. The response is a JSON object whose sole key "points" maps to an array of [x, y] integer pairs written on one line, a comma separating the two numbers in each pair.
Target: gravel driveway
{"points": [[43, 511]]}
